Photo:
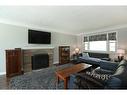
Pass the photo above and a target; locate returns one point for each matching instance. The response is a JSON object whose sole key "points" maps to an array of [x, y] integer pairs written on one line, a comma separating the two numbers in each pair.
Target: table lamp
{"points": [[77, 50], [76, 53], [120, 53]]}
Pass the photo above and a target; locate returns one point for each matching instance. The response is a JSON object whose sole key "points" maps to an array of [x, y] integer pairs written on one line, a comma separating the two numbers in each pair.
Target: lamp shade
{"points": [[121, 52], [77, 50]]}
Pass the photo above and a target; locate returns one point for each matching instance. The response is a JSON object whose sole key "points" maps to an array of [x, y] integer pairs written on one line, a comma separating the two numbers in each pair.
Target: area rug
{"points": [[38, 79]]}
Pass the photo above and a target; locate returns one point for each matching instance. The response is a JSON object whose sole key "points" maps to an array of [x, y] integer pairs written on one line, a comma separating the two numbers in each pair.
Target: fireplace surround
{"points": [[29, 52]]}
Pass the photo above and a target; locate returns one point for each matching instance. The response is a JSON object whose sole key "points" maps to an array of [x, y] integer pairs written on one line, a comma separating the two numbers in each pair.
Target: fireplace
{"points": [[29, 53], [40, 61]]}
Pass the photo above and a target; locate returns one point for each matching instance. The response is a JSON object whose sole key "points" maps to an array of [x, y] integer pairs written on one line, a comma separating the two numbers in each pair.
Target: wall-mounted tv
{"points": [[39, 37]]}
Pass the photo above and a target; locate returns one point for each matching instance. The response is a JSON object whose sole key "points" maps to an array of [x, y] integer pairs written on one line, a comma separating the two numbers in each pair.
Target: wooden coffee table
{"points": [[65, 73]]}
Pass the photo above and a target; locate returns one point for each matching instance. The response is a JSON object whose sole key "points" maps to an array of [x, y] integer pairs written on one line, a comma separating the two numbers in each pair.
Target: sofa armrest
{"points": [[107, 59]]}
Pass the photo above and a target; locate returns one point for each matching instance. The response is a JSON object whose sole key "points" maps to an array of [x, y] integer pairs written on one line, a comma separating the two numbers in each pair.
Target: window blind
{"points": [[112, 36], [101, 37], [85, 39]]}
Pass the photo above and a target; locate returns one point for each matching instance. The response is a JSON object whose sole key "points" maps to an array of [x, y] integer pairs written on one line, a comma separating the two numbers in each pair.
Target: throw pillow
{"points": [[98, 76], [85, 55]]}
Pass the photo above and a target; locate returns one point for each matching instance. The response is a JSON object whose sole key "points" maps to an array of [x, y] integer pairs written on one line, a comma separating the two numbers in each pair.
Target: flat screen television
{"points": [[39, 37]]}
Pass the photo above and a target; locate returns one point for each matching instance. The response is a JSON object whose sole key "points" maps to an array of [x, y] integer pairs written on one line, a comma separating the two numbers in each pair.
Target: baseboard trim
{"points": [[2, 73]]}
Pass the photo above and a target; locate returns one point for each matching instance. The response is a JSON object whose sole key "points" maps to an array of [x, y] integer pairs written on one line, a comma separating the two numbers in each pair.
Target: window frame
{"points": [[86, 43], [109, 46]]}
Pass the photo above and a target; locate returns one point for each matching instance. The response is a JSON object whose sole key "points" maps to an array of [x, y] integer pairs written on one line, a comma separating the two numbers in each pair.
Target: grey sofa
{"points": [[117, 80], [98, 59], [103, 56]]}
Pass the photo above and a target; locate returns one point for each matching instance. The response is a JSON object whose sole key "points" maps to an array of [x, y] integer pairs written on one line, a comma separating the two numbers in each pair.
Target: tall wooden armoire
{"points": [[13, 62]]}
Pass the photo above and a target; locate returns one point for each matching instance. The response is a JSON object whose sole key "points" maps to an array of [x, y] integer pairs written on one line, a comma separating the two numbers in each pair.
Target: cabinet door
{"points": [[17, 62], [13, 62], [8, 62]]}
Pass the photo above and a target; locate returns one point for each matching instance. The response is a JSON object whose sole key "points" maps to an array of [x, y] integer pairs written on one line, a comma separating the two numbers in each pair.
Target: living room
{"points": [[81, 42]]}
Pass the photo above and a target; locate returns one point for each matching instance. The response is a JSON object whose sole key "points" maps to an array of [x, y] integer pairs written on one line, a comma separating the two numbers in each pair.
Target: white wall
{"points": [[80, 44], [17, 37], [62, 39], [122, 38]]}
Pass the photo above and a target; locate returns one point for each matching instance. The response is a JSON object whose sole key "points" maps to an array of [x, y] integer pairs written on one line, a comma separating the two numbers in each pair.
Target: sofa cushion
{"points": [[113, 83], [98, 55], [99, 70], [90, 60], [108, 65]]}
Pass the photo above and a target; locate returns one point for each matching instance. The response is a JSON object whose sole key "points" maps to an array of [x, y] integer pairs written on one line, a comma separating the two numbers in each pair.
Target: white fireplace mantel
{"points": [[38, 48]]}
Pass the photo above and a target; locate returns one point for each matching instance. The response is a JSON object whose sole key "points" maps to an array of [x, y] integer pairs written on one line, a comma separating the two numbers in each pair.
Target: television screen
{"points": [[39, 37]]}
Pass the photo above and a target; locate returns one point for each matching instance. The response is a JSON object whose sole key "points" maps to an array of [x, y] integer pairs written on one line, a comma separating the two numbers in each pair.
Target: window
{"points": [[101, 42], [112, 41], [98, 42], [86, 45], [98, 46], [112, 46]]}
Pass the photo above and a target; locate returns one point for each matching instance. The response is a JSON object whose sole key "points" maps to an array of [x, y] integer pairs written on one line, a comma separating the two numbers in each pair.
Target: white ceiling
{"points": [[68, 19]]}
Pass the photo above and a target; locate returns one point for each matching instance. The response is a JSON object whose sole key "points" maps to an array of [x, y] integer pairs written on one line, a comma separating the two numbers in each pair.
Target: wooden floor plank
{"points": [[3, 82]]}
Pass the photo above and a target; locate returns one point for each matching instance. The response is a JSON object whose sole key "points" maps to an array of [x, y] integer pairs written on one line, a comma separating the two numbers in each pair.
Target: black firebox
{"points": [[40, 61]]}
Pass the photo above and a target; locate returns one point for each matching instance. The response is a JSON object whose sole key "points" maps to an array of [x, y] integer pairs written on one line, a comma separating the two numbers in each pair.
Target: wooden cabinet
{"points": [[64, 54], [13, 62]]}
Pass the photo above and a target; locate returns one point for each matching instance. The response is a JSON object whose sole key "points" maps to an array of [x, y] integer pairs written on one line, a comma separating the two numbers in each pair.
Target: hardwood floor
{"points": [[3, 82]]}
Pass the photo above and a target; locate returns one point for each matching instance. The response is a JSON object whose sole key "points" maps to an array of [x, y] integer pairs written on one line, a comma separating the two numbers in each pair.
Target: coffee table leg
{"points": [[65, 83]]}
